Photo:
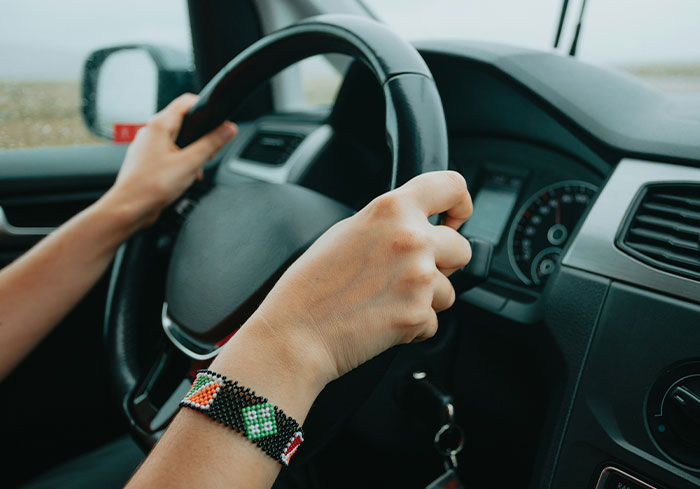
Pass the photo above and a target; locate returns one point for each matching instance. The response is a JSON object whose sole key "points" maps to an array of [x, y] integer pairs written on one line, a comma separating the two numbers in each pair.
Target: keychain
{"points": [[449, 441]]}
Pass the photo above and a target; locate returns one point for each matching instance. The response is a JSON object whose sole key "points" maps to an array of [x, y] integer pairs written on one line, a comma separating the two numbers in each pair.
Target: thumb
{"points": [[207, 146]]}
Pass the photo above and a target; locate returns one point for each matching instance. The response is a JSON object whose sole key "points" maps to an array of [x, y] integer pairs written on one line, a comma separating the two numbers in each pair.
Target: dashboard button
{"points": [[673, 413]]}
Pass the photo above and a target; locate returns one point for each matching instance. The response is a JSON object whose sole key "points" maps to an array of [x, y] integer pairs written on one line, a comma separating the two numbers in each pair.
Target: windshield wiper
{"points": [[560, 28], [574, 43]]}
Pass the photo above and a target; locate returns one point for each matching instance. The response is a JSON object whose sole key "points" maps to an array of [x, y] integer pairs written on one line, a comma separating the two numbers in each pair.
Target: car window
{"points": [[310, 84], [42, 48], [658, 41], [321, 77]]}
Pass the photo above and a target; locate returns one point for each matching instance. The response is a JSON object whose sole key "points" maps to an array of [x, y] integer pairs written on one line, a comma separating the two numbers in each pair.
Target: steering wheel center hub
{"points": [[233, 247]]}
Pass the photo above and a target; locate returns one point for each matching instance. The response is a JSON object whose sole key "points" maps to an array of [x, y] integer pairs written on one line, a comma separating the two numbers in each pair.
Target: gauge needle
{"points": [[558, 208]]}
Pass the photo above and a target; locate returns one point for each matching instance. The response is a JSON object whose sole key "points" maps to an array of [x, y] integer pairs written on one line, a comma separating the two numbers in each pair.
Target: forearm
{"points": [[42, 286], [199, 451], [39, 288], [370, 282]]}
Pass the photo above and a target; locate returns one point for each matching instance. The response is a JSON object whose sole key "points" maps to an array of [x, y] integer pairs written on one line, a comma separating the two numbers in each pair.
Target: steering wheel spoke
{"points": [[153, 402]]}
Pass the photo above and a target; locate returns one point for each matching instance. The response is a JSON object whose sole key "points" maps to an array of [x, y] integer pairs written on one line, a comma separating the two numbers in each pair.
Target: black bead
{"points": [[226, 410]]}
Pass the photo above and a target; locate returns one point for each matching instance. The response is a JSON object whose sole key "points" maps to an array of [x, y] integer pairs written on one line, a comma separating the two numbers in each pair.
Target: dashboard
{"points": [[595, 341], [528, 201]]}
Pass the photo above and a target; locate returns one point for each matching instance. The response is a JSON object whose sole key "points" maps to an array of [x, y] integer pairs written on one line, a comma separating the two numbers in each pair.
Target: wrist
{"points": [[126, 214], [275, 366], [114, 223]]}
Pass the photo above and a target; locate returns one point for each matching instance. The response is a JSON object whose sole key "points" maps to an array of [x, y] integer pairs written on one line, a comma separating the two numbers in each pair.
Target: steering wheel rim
{"points": [[416, 134]]}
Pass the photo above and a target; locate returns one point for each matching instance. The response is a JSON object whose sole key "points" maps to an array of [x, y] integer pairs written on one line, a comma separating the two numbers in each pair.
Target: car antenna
{"points": [[574, 43], [562, 17]]}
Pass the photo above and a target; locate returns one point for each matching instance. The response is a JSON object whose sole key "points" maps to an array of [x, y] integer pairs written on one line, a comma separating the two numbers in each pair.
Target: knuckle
{"points": [[418, 277], [159, 190], [187, 97], [142, 133], [431, 328], [417, 180], [218, 140], [425, 275], [456, 180], [406, 239], [208, 143], [182, 101], [446, 296], [156, 123], [386, 205], [418, 324], [414, 316]]}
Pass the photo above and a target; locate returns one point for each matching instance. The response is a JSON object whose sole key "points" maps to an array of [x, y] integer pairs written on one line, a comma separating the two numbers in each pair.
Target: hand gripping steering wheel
{"points": [[239, 238]]}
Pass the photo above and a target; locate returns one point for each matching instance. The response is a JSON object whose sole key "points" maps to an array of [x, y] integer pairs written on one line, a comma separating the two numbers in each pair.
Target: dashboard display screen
{"points": [[493, 206]]}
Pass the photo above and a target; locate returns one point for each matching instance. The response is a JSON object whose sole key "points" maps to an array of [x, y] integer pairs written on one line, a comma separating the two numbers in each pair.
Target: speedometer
{"points": [[543, 225]]}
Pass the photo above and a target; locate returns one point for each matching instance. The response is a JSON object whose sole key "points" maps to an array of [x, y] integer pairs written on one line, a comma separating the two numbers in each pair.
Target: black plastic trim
{"points": [[215, 43], [612, 112]]}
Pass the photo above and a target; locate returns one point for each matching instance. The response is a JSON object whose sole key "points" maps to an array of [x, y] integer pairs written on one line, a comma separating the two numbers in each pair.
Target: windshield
{"points": [[658, 41]]}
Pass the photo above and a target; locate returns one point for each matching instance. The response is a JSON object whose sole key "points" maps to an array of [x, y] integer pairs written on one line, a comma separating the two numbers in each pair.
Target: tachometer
{"points": [[543, 225]]}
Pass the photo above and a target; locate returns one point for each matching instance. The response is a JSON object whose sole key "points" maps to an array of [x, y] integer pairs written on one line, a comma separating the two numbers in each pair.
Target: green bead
{"points": [[259, 420]]}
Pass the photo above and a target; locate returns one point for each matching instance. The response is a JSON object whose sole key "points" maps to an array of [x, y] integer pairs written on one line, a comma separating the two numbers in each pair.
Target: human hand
{"points": [[372, 281], [156, 171]]}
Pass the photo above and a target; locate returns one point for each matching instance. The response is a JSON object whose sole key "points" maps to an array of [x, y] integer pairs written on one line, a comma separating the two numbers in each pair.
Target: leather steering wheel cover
{"points": [[415, 123], [416, 133], [136, 283]]}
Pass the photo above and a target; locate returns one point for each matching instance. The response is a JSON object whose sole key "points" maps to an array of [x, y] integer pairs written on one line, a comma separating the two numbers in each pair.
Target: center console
{"points": [[633, 420]]}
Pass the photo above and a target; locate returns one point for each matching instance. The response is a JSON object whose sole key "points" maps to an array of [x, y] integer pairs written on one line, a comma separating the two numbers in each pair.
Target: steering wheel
{"points": [[238, 239]]}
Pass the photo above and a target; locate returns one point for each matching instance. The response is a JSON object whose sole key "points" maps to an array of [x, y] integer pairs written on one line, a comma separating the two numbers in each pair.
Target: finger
{"points": [[443, 293], [170, 118], [429, 329], [442, 192], [209, 144], [452, 250]]}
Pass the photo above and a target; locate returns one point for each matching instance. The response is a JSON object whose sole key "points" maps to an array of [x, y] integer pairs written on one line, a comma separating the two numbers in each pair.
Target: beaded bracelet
{"points": [[243, 411]]}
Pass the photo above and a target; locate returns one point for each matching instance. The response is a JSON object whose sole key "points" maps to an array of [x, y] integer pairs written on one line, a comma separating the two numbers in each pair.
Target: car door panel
{"points": [[39, 190]]}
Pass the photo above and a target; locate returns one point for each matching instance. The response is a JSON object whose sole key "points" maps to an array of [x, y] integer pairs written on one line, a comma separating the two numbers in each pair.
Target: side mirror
{"points": [[123, 86]]}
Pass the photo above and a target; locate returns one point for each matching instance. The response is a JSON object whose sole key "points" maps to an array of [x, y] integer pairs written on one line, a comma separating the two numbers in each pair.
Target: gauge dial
{"points": [[542, 227]]}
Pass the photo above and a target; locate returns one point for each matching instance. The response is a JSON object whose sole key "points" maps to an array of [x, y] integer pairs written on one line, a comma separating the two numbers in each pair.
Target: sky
{"points": [[47, 39], [614, 31]]}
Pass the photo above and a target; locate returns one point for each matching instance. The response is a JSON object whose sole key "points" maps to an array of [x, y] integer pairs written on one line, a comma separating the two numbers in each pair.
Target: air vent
{"points": [[664, 229], [271, 147]]}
